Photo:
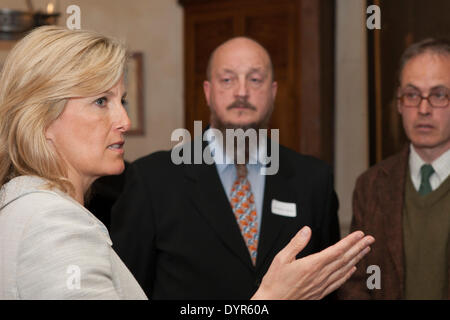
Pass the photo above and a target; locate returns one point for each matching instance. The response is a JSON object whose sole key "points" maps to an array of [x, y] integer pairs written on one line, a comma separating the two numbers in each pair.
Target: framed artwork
{"points": [[135, 94]]}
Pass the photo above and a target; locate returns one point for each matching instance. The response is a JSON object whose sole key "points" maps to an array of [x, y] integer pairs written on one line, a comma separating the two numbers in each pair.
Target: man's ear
{"points": [[399, 107], [207, 90], [274, 89], [398, 102]]}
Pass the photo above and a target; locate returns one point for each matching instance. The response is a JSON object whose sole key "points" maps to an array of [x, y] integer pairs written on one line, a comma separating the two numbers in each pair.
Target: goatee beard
{"points": [[217, 123]]}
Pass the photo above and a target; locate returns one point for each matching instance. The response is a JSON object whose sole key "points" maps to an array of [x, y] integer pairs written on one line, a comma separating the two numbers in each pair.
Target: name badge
{"points": [[285, 209]]}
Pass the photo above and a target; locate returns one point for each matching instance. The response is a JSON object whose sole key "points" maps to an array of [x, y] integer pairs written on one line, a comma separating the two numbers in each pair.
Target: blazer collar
{"points": [[24, 185], [19, 186]]}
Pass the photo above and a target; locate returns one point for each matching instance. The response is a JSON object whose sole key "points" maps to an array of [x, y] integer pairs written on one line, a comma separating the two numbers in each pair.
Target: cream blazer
{"points": [[51, 247]]}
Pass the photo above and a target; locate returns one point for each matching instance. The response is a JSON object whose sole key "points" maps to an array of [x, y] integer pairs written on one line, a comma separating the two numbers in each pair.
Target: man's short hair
{"points": [[440, 46]]}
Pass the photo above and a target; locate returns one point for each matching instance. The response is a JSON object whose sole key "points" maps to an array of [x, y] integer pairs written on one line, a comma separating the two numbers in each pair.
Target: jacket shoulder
{"points": [[44, 208], [386, 166], [153, 158], [302, 161]]}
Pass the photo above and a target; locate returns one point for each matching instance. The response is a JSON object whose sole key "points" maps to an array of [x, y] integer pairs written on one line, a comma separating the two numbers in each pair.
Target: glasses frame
{"points": [[401, 97]]}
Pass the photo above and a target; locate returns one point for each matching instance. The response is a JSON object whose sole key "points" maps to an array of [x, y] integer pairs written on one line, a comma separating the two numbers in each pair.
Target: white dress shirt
{"points": [[441, 168]]}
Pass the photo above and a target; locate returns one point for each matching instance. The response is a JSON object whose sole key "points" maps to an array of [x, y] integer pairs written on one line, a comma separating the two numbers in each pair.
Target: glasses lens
{"points": [[438, 100], [411, 98]]}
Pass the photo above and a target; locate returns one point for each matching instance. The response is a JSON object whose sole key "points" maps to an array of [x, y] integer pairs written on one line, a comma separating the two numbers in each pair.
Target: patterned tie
{"points": [[425, 187], [244, 209]]}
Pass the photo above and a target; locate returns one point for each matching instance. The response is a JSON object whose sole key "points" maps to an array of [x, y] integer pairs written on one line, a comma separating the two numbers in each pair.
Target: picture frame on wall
{"points": [[135, 94]]}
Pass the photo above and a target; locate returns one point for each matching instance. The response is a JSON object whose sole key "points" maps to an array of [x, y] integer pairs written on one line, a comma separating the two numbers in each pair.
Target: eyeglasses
{"points": [[413, 98]]}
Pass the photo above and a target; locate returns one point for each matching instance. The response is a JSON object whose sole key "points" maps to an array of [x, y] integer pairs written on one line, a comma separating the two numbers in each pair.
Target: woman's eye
{"points": [[101, 101], [124, 102]]}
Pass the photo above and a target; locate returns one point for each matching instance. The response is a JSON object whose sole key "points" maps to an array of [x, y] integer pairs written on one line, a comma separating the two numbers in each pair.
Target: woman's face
{"points": [[89, 134]]}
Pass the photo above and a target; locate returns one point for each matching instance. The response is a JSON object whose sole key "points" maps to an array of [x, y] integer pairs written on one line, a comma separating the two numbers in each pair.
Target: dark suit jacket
{"points": [[174, 228], [378, 210]]}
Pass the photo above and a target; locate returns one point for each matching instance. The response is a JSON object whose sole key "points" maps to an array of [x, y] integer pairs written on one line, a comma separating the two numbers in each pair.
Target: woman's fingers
{"points": [[297, 244], [334, 272], [316, 275], [341, 253], [333, 264], [334, 285], [353, 255]]}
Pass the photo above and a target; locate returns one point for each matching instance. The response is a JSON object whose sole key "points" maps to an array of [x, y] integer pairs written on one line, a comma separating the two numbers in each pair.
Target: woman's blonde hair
{"points": [[45, 69]]}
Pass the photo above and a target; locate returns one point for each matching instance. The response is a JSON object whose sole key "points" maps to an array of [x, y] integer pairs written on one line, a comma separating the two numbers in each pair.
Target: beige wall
{"points": [[351, 127], [154, 27]]}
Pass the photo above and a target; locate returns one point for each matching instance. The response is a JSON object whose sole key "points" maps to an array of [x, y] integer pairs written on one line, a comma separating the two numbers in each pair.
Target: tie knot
{"points": [[241, 170], [426, 171]]}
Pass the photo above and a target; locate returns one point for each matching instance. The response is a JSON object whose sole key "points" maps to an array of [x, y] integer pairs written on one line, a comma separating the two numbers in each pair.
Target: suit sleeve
{"points": [[63, 255], [355, 288], [133, 228], [330, 225]]}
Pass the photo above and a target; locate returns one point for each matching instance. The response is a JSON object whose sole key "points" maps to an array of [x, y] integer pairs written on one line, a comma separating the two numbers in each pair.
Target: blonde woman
{"points": [[62, 126]]}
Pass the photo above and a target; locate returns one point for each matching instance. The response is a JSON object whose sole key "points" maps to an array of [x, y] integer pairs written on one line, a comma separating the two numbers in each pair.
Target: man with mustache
{"points": [[200, 231], [404, 201]]}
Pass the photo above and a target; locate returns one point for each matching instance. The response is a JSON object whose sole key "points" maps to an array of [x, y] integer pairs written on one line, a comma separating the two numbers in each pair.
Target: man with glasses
{"points": [[404, 201]]}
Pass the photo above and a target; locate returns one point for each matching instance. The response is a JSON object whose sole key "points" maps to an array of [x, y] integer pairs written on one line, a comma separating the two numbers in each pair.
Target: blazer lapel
{"points": [[391, 198], [208, 196], [276, 187]]}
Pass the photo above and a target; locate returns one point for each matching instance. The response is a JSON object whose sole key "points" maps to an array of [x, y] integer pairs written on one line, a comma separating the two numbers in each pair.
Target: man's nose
{"points": [[425, 107], [242, 88]]}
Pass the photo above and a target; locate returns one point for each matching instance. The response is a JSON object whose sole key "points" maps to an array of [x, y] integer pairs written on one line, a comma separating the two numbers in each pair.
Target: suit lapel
{"points": [[391, 199], [207, 194], [276, 187]]}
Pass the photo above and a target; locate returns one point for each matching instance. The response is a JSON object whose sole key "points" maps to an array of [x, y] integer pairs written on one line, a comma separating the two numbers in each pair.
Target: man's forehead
{"points": [[428, 69], [240, 51]]}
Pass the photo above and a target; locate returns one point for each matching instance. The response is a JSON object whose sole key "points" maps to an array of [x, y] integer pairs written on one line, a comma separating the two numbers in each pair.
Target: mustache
{"points": [[242, 104]]}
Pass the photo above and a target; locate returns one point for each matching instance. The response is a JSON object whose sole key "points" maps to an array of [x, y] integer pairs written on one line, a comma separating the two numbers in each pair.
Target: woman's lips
{"points": [[117, 147]]}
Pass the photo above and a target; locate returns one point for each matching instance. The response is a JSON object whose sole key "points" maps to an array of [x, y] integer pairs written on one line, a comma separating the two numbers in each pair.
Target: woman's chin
{"points": [[115, 170]]}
